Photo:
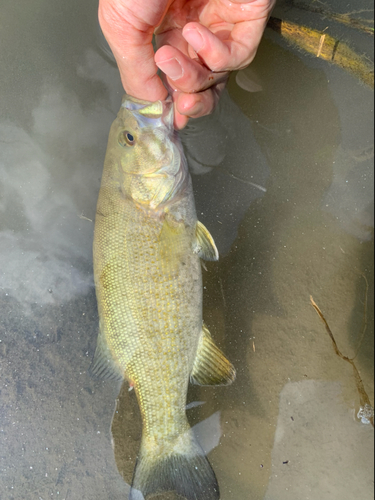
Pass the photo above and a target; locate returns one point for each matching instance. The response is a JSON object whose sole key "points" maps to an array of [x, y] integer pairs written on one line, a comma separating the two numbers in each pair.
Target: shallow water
{"points": [[283, 180]]}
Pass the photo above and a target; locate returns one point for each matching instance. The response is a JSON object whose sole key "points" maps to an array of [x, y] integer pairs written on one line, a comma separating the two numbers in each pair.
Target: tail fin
{"points": [[185, 471]]}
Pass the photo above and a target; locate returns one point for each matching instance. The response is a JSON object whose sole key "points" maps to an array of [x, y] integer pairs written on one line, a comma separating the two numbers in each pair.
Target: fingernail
{"points": [[194, 38], [195, 110], [172, 68]]}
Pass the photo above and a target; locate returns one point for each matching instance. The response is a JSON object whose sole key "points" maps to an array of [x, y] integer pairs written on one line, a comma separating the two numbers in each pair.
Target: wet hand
{"points": [[200, 42]]}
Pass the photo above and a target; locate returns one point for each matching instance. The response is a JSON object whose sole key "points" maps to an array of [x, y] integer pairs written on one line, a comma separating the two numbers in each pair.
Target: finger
{"points": [[133, 51], [201, 104], [195, 105], [235, 51], [180, 121], [184, 73], [139, 77]]}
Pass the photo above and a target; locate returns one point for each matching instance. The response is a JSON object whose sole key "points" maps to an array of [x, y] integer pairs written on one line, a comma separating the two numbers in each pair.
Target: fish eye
{"points": [[126, 139]]}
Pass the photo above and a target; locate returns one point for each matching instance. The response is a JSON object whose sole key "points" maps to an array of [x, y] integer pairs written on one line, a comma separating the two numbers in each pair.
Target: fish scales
{"points": [[147, 250], [161, 301]]}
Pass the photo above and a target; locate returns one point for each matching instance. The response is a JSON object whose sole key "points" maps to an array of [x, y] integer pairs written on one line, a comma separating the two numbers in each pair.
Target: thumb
{"points": [[133, 51]]}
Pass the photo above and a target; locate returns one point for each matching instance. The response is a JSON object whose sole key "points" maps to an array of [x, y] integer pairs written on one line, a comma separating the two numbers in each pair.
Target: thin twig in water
{"points": [[364, 323], [222, 293], [363, 397], [84, 218], [321, 43], [244, 181]]}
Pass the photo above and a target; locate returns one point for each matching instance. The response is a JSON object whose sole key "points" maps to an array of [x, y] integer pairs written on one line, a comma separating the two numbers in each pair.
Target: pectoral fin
{"points": [[204, 244], [173, 242], [211, 367]]}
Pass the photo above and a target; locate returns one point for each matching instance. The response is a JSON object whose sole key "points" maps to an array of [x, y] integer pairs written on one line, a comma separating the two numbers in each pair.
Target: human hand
{"points": [[200, 42]]}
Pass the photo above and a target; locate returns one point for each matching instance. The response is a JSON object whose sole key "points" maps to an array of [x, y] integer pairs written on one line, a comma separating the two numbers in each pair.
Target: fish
{"points": [[147, 252]]}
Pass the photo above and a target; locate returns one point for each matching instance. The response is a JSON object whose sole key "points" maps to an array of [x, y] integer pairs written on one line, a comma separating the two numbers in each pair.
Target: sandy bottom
{"points": [[283, 181]]}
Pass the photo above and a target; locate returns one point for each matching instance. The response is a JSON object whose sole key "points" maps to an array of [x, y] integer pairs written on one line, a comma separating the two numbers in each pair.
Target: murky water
{"points": [[283, 181]]}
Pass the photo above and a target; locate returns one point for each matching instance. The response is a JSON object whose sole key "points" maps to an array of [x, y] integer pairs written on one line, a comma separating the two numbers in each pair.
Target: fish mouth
{"points": [[148, 113], [167, 188]]}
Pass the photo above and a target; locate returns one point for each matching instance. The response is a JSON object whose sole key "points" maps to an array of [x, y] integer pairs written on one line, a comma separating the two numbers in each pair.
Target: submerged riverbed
{"points": [[283, 179]]}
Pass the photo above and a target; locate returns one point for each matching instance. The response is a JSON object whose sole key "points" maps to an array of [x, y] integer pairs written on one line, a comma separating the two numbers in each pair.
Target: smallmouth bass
{"points": [[147, 249]]}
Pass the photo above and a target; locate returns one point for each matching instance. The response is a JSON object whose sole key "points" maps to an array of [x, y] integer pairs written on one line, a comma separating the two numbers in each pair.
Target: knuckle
{"points": [[111, 17], [219, 65]]}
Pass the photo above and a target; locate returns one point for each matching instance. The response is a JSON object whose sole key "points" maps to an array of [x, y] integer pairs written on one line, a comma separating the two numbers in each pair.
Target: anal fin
{"points": [[211, 367], [103, 365]]}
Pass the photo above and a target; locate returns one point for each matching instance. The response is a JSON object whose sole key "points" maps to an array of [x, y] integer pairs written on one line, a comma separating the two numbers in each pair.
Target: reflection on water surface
{"points": [[287, 428]]}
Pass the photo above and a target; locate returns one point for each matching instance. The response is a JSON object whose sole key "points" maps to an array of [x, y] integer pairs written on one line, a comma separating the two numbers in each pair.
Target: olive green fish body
{"points": [[147, 304], [147, 249]]}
